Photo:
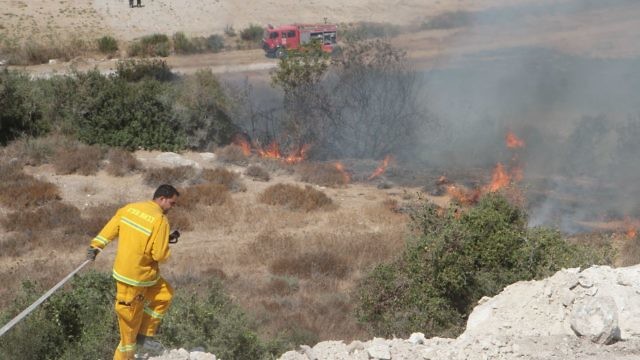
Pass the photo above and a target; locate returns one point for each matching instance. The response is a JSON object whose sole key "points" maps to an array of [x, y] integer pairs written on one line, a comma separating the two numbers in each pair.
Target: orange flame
{"points": [[462, 195], [346, 177], [243, 144], [499, 179], [513, 142], [631, 227], [382, 168]]}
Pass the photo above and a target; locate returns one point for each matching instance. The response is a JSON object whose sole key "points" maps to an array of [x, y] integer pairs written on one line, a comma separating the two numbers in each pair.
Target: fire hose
{"points": [[173, 238], [44, 297]]}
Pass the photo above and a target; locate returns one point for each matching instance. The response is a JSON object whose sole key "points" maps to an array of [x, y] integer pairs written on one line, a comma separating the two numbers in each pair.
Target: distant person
{"points": [[130, 3], [143, 297], [138, 2]]}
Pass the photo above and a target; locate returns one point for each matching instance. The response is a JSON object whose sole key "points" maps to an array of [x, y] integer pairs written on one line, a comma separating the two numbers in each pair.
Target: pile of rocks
{"points": [[590, 314]]}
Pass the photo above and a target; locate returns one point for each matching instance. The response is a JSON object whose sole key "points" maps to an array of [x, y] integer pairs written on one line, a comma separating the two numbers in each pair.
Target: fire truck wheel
{"points": [[280, 53]]}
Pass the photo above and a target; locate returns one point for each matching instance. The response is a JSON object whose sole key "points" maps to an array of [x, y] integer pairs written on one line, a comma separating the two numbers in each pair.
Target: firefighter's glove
{"points": [[92, 253], [173, 237]]}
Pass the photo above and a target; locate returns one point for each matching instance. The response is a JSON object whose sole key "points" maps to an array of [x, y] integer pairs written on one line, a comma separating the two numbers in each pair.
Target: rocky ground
{"points": [[575, 314]]}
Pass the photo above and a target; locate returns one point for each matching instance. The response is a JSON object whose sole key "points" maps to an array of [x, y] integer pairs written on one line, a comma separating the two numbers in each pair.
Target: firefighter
{"points": [[130, 3], [142, 295]]}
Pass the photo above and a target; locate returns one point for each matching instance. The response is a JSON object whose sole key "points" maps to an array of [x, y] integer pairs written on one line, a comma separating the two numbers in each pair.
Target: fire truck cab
{"points": [[277, 39]]}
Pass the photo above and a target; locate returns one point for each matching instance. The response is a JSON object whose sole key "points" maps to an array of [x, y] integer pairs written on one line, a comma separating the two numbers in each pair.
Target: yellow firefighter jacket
{"points": [[143, 241]]}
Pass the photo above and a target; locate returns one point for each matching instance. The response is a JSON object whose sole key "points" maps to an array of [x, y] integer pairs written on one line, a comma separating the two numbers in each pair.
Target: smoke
{"points": [[573, 99]]}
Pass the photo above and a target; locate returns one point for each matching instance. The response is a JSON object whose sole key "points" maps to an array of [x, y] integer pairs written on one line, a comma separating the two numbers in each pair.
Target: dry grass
{"points": [[121, 163], [311, 265], [80, 159], [19, 190], [224, 177], [208, 194], [35, 151], [179, 219], [232, 154], [257, 172], [155, 177], [294, 197], [322, 174]]}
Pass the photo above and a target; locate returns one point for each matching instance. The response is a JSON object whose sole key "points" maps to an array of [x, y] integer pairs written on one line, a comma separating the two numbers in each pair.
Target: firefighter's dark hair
{"points": [[166, 191]]}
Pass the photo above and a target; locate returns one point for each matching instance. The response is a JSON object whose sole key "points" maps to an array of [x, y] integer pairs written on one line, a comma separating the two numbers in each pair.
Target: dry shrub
{"points": [[80, 159], [179, 220], [281, 286], [169, 175], [96, 217], [36, 151], [294, 197], [214, 272], [270, 245], [121, 162], [222, 176], [204, 194], [322, 174], [630, 252], [256, 172], [55, 214], [15, 245], [232, 154], [311, 264], [19, 190]]}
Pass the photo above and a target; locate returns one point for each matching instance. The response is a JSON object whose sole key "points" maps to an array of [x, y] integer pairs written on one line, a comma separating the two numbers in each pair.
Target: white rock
{"points": [[597, 319], [417, 338], [380, 352]]}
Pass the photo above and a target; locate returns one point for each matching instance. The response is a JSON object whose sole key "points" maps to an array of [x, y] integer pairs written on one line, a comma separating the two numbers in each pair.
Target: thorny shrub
{"points": [[19, 190], [322, 174], [311, 264], [80, 159], [208, 194], [295, 198], [232, 154], [281, 286], [169, 175], [121, 162], [221, 176], [256, 172]]}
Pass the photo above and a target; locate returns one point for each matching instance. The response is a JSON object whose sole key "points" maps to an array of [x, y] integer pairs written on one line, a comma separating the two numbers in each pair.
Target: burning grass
{"points": [[294, 197]]}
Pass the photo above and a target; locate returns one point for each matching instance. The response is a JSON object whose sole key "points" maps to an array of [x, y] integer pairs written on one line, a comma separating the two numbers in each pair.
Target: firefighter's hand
{"points": [[173, 237], [92, 253]]}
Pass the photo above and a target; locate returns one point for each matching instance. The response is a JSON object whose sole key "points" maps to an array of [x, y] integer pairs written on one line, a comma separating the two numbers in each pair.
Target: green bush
{"points": [[136, 70], [19, 113], [253, 33], [151, 45], [457, 259], [107, 45], [215, 43], [214, 323], [114, 112], [182, 44], [74, 324]]}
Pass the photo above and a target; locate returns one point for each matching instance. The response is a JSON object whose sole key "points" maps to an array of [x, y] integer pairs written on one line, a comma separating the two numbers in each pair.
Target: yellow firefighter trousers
{"points": [[140, 311]]}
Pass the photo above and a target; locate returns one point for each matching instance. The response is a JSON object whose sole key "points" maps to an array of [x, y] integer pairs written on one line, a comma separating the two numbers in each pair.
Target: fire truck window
{"points": [[284, 35], [273, 35], [291, 34]]}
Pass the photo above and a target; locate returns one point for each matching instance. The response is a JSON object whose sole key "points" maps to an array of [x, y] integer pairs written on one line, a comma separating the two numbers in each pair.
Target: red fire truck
{"points": [[277, 39]]}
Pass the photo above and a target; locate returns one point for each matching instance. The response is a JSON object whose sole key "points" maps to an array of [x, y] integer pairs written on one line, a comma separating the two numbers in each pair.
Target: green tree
{"points": [[19, 112], [201, 107], [308, 114]]}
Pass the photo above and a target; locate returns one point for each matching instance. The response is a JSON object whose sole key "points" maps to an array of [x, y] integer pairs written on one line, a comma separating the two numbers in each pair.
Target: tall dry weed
{"points": [[19, 190], [294, 197], [79, 159], [322, 174], [121, 162], [222, 176], [155, 177], [208, 194]]}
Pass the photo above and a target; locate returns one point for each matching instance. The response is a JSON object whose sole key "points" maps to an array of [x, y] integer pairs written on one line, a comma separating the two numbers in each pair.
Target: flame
{"points": [[631, 227], [382, 168], [499, 179], [243, 144], [462, 195], [298, 155], [346, 177], [513, 142]]}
